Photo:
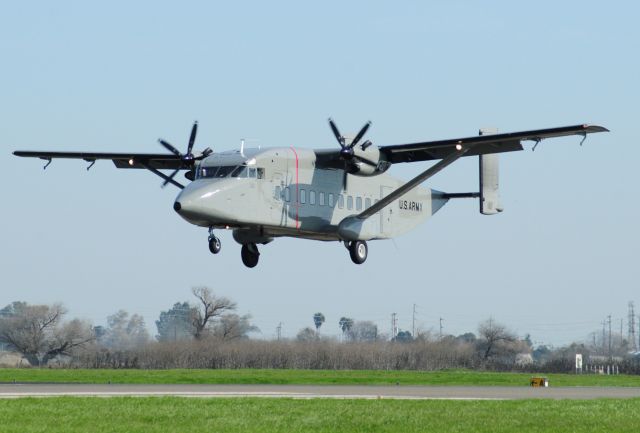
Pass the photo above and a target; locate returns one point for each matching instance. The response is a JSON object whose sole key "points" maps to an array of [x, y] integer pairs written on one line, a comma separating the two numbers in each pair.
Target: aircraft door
{"points": [[278, 208], [386, 213]]}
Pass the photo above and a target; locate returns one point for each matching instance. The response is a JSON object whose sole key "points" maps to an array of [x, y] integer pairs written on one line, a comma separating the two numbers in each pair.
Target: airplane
{"points": [[341, 195]]}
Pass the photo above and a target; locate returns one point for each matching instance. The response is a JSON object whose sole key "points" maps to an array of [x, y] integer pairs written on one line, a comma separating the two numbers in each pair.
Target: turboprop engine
{"points": [[362, 160]]}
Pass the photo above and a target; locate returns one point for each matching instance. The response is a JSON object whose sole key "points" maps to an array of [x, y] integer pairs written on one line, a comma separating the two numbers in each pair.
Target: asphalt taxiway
{"points": [[18, 390]]}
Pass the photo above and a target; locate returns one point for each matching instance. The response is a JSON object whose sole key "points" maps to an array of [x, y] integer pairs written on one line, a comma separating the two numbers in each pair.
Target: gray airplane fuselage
{"points": [[267, 193]]}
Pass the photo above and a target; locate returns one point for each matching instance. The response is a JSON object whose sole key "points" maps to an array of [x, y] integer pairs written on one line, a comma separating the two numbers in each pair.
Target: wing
{"points": [[158, 161], [149, 161], [479, 145]]}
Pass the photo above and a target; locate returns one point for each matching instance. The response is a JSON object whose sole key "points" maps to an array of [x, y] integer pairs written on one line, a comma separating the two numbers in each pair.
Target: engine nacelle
{"points": [[368, 162]]}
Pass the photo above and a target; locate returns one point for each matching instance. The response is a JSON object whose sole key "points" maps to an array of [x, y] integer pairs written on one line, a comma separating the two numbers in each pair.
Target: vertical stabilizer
{"points": [[489, 185]]}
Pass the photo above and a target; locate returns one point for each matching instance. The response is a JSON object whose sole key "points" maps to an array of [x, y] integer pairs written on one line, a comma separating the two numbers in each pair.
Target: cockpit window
{"points": [[230, 171], [240, 171], [216, 172]]}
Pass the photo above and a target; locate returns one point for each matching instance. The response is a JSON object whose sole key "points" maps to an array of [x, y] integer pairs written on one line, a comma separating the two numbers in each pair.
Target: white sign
{"points": [[578, 361]]}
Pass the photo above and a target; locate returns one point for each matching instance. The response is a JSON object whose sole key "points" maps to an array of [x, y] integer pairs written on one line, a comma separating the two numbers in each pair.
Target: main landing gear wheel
{"points": [[214, 245], [358, 251], [250, 255]]}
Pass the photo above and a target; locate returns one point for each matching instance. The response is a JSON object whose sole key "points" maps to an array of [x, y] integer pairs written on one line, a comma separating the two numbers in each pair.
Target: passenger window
{"points": [[349, 202], [367, 203], [260, 173], [340, 201], [321, 199], [287, 194], [303, 196], [331, 203], [358, 203], [252, 172], [312, 197], [278, 193]]}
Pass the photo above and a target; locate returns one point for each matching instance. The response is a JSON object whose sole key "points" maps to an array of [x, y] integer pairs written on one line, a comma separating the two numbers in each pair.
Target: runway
{"points": [[317, 391]]}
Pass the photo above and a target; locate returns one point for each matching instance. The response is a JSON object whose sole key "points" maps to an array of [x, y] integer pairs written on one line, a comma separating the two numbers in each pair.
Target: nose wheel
{"points": [[214, 243], [250, 255], [358, 251]]}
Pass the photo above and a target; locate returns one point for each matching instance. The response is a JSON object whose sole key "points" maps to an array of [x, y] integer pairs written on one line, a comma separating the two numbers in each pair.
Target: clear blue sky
{"points": [[115, 76]]}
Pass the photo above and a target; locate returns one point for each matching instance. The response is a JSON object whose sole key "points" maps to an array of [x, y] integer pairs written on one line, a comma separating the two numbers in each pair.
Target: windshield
{"points": [[226, 171]]}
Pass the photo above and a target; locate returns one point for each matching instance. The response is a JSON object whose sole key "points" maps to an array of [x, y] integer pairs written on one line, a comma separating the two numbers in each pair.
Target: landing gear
{"points": [[250, 255], [214, 243], [358, 251]]}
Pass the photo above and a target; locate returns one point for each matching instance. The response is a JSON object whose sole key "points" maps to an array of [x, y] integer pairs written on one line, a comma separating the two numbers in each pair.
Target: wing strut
{"points": [[166, 178], [414, 182]]}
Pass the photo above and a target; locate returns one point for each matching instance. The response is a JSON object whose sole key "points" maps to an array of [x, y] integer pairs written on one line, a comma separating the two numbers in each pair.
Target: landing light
{"points": [[458, 147], [131, 161]]}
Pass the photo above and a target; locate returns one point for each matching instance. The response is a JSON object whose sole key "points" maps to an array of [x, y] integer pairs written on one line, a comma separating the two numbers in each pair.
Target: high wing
{"points": [[479, 145], [149, 161], [159, 161], [153, 162], [448, 151]]}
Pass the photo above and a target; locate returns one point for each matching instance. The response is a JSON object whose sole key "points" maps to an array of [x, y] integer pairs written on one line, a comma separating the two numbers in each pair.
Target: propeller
{"points": [[346, 151], [188, 158]]}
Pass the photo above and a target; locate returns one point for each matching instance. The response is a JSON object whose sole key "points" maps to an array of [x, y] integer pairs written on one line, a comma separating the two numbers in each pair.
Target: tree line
{"points": [[207, 333]]}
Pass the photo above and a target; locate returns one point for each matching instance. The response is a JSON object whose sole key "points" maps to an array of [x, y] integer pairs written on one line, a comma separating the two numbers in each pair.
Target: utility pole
{"points": [[394, 325], [441, 319], [413, 322], [279, 331], [632, 328], [609, 320]]}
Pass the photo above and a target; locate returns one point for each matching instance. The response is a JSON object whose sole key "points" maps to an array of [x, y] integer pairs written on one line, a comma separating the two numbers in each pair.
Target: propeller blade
{"points": [[192, 138], [168, 179], [360, 134], [334, 128], [169, 147]]}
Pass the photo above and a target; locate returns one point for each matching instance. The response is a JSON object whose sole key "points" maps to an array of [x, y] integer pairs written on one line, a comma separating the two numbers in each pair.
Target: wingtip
{"points": [[595, 128]]}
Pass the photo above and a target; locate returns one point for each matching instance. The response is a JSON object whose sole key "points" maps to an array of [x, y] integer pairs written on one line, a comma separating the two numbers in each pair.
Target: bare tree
{"points": [[210, 307], [364, 331], [232, 327], [307, 334], [125, 331], [493, 337], [37, 333]]}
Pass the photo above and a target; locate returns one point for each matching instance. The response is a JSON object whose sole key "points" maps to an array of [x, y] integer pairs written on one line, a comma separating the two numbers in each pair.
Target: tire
{"points": [[249, 257], [215, 245], [358, 250]]}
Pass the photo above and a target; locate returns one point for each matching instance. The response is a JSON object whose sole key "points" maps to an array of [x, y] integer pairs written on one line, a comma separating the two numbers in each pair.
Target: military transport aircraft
{"points": [[327, 194]]}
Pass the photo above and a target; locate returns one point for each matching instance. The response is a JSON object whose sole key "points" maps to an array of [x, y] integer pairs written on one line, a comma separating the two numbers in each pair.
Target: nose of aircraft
{"points": [[196, 203]]}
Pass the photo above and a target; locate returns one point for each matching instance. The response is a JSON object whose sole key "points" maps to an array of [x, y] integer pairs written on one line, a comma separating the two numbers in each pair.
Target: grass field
{"points": [[174, 414], [336, 377]]}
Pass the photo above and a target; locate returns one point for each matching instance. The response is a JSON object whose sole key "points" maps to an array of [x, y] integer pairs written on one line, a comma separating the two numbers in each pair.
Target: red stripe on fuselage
{"points": [[297, 192]]}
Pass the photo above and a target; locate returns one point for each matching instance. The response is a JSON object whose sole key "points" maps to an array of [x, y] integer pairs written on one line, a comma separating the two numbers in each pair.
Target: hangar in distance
{"points": [[335, 194]]}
